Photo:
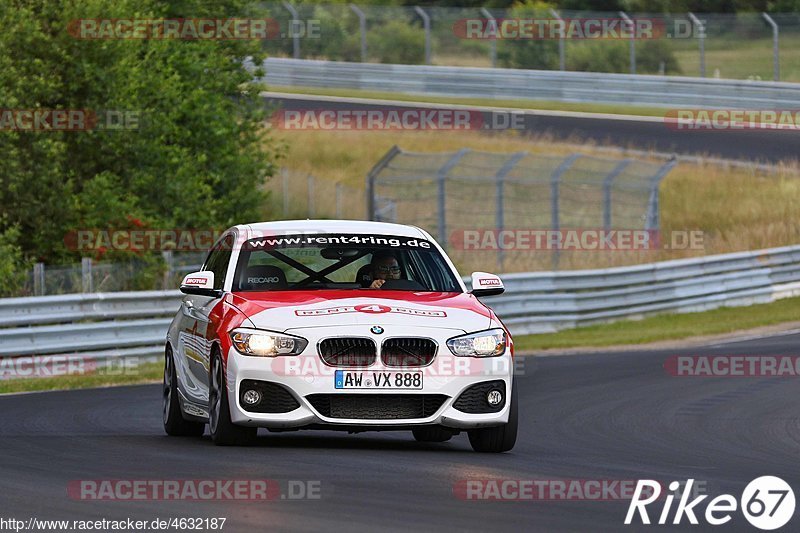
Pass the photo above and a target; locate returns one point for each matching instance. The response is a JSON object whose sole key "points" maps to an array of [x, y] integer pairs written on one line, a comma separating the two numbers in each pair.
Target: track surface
{"points": [[600, 416], [751, 145]]}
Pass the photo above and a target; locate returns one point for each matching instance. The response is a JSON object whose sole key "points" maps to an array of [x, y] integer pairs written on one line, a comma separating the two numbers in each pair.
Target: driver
{"points": [[384, 266]]}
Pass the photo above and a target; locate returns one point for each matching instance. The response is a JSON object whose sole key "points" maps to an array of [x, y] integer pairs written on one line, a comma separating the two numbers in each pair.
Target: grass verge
{"points": [[534, 105], [144, 373], [665, 327]]}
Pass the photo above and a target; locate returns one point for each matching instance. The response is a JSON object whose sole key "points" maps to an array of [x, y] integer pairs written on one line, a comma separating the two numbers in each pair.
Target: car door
{"points": [[196, 332]]}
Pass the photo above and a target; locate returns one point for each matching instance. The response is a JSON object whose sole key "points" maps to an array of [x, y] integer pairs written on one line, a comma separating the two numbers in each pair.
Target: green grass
{"points": [[543, 105], [144, 373], [665, 327]]}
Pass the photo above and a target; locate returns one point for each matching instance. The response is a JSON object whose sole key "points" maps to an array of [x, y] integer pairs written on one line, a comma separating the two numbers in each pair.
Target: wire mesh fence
{"points": [[151, 273], [506, 209], [294, 194], [737, 46]]}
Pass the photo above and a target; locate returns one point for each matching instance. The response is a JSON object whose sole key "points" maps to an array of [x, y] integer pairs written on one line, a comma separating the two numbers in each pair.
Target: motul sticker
{"points": [[489, 281]]}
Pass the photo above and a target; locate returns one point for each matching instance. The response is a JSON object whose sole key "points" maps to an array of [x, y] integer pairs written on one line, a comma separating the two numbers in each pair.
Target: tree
{"points": [[197, 157]]}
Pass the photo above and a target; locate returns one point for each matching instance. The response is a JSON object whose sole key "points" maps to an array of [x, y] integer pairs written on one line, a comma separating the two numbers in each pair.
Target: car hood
{"points": [[284, 310]]}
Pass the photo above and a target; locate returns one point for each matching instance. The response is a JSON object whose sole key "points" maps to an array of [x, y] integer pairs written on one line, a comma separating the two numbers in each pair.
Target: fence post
{"points": [[701, 35], [492, 42], [562, 44], [608, 181], [372, 175], [632, 41], [362, 28], [310, 208], [294, 29], [86, 274], [426, 23], [776, 66], [441, 196], [500, 179], [653, 221], [169, 260], [285, 186], [38, 279], [555, 218]]}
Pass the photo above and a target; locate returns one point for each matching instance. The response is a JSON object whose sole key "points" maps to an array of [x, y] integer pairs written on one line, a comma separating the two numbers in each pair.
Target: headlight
{"points": [[489, 343], [267, 343]]}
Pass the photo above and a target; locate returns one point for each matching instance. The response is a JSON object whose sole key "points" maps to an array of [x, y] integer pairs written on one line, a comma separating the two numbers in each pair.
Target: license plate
{"points": [[347, 379]]}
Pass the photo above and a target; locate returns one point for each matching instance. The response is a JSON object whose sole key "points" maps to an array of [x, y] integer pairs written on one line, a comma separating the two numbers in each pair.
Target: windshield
{"points": [[342, 261]]}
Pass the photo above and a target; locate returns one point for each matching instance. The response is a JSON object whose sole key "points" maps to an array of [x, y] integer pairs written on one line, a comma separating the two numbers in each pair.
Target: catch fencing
{"points": [[723, 45], [452, 194]]}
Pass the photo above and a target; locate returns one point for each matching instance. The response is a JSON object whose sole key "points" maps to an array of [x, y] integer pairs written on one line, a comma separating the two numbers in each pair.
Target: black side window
{"points": [[218, 260]]}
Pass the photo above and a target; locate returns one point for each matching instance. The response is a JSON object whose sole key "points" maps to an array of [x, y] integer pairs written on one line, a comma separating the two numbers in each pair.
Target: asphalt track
{"points": [[601, 416], [652, 133]]}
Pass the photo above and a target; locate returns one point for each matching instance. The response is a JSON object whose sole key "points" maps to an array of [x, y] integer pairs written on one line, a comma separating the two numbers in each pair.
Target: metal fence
{"points": [[108, 326], [690, 44], [471, 191], [514, 84], [90, 275], [296, 194]]}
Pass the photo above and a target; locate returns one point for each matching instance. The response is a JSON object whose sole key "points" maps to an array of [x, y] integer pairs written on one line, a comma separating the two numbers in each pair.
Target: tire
{"points": [[432, 434], [223, 431], [174, 423], [497, 439]]}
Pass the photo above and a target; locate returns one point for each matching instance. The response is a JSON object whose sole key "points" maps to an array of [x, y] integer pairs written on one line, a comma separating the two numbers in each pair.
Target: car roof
{"points": [[287, 227]]}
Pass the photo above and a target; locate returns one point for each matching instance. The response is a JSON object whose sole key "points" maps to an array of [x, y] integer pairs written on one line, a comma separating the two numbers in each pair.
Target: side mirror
{"points": [[201, 284], [485, 284]]}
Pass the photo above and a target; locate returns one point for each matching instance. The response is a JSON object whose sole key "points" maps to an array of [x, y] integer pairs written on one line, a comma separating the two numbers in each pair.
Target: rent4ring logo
{"points": [[767, 503]]}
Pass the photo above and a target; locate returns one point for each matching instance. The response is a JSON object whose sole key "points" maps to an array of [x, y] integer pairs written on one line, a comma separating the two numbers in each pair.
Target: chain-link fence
{"points": [[737, 46], [294, 194], [153, 273], [490, 209]]}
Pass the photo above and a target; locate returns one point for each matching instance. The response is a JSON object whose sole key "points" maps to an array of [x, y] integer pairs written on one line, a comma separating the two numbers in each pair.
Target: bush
{"points": [[614, 56], [13, 267], [530, 54], [397, 42]]}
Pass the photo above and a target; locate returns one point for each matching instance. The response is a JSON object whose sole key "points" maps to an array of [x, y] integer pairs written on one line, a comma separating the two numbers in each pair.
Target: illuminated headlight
{"points": [[266, 343], [489, 343]]}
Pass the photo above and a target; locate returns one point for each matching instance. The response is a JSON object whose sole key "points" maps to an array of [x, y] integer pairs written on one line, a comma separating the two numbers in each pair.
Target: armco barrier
{"points": [[115, 324], [515, 84]]}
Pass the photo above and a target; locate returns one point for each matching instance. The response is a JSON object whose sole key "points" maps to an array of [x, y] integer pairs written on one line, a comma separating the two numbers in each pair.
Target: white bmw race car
{"points": [[321, 324]]}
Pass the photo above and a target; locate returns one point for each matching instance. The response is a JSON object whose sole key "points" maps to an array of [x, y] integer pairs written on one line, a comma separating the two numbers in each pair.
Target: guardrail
{"points": [[104, 326], [498, 83]]}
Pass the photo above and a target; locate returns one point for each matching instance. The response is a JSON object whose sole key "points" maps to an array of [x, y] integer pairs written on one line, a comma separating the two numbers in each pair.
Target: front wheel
{"points": [[174, 423], [499, 438], [223, 431]]}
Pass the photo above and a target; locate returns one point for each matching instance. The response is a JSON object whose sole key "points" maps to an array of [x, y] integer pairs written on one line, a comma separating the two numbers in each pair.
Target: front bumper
{"points": [[306, 375]]}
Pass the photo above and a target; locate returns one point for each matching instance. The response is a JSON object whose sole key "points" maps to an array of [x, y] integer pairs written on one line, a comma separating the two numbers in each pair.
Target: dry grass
{"points": [[735, 208]]}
